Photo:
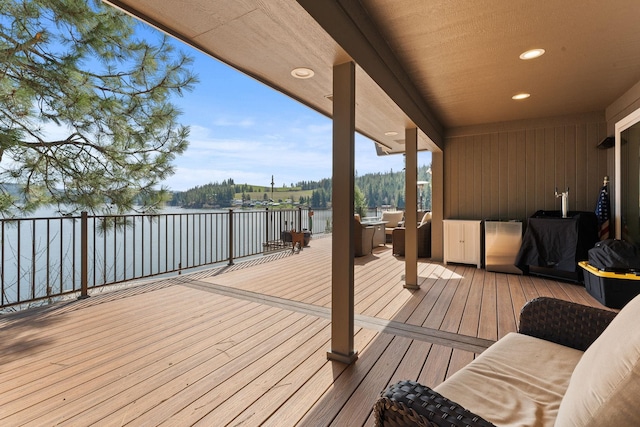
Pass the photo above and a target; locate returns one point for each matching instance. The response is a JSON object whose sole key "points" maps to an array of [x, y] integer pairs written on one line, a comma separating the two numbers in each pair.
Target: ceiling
{"points": [[433, 64]]}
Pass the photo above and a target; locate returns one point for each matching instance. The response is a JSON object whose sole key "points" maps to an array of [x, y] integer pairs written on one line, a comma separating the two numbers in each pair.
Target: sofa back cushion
{"points": [[425, 218], [393, 218], [605, 385]]}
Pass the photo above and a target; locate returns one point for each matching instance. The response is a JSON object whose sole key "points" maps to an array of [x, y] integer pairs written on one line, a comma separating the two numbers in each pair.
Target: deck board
{"points": [[246, 344]]}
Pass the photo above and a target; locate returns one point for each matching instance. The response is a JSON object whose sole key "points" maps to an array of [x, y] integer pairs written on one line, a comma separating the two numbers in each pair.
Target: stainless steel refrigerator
{"points": [[502, 240]]}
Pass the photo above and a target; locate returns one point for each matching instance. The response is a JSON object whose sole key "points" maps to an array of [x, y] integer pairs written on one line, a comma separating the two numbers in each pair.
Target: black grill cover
{"points": [[551, 241], [614, 255]]}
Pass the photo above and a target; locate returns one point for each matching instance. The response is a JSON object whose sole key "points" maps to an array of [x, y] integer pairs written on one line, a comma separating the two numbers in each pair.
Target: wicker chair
{"points": [[424, 240], [363, 237], [408, 403], [393, 220]]}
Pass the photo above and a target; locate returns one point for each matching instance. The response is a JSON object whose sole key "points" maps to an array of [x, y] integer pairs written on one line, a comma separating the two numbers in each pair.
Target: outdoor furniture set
{"points": [[394, 230]]}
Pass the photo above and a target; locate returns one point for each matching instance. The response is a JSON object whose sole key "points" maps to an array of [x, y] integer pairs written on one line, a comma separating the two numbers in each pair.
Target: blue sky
{"points": [[244, 130]]}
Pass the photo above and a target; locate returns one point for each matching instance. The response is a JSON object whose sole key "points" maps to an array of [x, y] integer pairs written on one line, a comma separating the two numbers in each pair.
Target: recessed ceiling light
{"points": [[521, 96], [391, 133], [302, 73], [530, 54]]}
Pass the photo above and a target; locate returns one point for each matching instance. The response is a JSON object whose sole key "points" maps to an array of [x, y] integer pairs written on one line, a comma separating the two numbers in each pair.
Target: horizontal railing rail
{"points": [[43, 259]]}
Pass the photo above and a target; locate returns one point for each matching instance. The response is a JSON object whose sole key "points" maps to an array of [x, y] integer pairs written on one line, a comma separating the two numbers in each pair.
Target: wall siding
{"points": [[510, 173]]}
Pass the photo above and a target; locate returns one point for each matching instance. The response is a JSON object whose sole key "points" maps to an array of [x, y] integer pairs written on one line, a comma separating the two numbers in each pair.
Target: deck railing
{"points": [[42, 259]]}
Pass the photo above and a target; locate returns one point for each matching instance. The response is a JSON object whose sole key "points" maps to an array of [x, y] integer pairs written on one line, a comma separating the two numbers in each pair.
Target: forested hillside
{"points": [[379, 189]]}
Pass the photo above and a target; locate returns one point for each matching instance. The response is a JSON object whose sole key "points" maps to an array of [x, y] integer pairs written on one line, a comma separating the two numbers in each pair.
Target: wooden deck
{"points": [[246, 344]]}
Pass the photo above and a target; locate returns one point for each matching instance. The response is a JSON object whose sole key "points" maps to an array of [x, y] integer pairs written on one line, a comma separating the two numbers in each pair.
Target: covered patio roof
{"points": [[431, 65]]}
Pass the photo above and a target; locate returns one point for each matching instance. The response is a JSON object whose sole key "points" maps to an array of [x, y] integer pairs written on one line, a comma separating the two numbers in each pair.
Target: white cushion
{"points": [[605, 385], [392, 218], [518, 381], [425, 218]]}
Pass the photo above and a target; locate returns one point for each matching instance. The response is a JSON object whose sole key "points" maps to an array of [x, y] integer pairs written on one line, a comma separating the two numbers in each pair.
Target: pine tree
{"points": [[86, 119]]}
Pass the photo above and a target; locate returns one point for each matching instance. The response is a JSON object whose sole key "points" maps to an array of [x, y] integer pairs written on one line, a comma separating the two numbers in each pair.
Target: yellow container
{"points": [[612, 289]]}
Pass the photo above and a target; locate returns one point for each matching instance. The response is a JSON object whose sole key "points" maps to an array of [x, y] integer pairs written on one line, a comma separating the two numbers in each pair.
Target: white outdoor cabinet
{"points": [[462, 241]]}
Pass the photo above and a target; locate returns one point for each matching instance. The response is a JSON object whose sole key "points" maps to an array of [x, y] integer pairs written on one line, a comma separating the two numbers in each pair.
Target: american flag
{"points": [[603, 208]]}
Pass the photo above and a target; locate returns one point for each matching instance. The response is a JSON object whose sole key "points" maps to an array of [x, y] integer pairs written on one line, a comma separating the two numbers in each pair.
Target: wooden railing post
{"points": [[84, 255], [299, 228], [230, 236]]}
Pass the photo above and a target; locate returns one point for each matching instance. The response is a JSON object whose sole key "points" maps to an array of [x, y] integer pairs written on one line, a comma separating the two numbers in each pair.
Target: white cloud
{"points": [[251, 161], [321, 129], [296, 152], [288, 142], [233, 122]]}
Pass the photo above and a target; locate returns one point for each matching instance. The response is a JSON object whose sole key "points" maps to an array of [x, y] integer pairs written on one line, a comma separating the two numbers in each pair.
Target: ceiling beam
{"points": [[351, 27]]}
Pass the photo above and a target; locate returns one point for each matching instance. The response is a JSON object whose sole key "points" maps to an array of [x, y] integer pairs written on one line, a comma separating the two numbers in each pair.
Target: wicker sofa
{"points": [[569, 365]]}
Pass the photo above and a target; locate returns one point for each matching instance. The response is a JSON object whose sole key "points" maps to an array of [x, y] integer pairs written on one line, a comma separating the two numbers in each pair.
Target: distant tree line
{"points": [[378, 189], [213, 195], [388, 189]]}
